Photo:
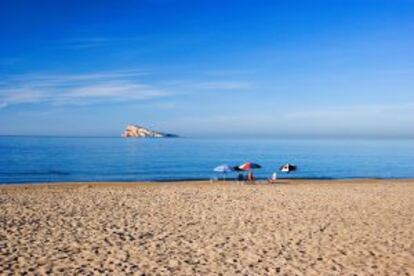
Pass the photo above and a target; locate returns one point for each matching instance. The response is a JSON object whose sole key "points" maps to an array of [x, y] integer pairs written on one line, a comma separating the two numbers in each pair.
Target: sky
{"points": [[208, 68]]}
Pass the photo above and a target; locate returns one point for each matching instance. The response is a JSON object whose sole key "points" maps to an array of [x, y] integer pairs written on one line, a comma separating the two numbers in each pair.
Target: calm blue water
{"points": [[40, 159]]}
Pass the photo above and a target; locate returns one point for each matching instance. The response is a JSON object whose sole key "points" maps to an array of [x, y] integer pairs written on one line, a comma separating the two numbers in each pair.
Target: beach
{"points": [[295, 227]]}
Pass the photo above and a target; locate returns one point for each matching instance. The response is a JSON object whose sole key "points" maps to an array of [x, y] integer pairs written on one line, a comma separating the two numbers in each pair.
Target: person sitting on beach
{"points": [[240, 177], [273, 179]]}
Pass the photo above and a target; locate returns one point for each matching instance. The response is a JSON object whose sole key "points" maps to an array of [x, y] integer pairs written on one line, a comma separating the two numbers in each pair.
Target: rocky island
{"points": [[135, 131]]}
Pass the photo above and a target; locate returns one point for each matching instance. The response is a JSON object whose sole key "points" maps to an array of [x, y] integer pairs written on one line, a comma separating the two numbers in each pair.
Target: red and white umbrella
{"points": [[249, 166]]}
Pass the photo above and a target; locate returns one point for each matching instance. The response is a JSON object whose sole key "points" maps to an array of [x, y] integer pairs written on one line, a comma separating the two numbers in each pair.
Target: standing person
{"points": [[250, 177]]}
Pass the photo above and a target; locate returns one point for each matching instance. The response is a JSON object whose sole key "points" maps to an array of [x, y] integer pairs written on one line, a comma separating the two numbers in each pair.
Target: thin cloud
{"points": [[53, 79], [211, 85], [90, 88], [96, 87], [24, 95], [351, 112], [116, 90], [229, 72], [223, 85], [95, 42], [84, 43]]}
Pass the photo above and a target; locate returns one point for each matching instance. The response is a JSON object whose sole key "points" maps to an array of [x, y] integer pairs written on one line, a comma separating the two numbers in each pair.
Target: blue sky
{"points": [[204, 68]]}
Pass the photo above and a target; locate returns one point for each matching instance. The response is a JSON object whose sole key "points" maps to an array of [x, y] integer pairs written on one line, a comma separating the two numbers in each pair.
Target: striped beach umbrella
{"points": [[249, 166]]}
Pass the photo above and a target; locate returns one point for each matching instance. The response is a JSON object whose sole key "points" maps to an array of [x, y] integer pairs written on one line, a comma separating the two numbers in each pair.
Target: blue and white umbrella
{"points": [[223, 169]]}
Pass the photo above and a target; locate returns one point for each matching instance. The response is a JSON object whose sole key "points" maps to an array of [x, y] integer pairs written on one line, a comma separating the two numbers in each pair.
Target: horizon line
{"points": [[322, 137]]}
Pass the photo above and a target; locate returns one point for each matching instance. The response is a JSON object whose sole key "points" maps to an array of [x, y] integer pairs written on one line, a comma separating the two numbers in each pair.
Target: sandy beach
{"points": [[362, 227]]}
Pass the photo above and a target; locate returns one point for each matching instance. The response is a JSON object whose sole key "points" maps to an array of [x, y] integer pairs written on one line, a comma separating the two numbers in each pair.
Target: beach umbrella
{"points": [[249, 166], [287, 168], [223, 169], [237, 169]]}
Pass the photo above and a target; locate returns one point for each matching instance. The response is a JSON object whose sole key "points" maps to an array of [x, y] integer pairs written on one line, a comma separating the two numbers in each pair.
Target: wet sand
{"points": [[297, 227]]}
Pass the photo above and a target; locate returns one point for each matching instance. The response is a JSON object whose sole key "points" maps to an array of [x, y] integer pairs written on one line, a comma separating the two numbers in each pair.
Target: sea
{"points": [[62, 159]]}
